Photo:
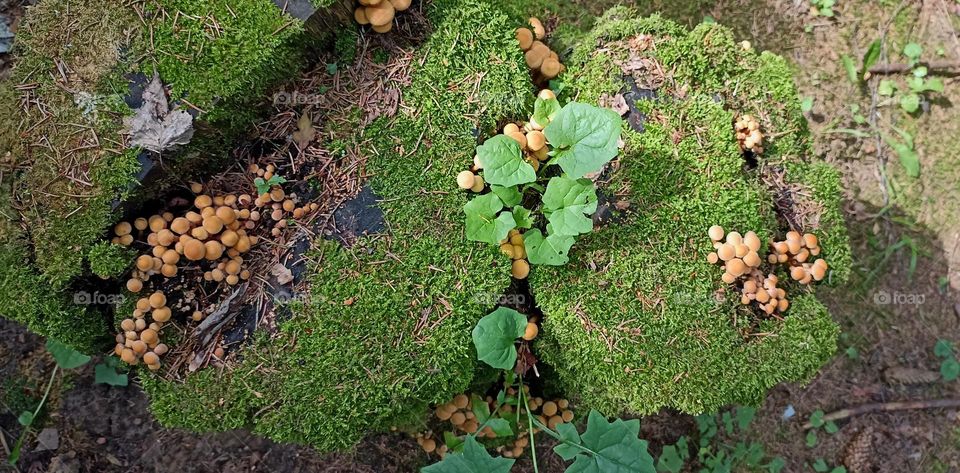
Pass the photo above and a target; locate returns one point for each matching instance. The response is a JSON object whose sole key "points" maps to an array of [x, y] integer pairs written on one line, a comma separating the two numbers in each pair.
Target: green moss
{"points": [[220, 55], [660, 328], [337, 371], [65, 153], [109, 260]]}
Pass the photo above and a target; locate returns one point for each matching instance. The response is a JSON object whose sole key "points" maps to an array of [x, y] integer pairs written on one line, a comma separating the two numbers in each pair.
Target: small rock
{"points": [[48, 439]]}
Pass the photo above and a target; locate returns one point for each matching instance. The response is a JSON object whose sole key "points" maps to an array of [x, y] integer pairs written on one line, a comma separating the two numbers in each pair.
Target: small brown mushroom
{"points": [[380, 14], [524, 38], [465, 179]]}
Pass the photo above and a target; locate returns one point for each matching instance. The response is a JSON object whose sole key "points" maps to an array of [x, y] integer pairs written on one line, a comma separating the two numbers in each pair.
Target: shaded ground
{"points": [[892, 315]]}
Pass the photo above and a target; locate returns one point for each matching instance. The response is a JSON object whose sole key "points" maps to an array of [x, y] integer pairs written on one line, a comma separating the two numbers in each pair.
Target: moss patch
{"points": [[647, 311], [385, 329], [65, 158]]}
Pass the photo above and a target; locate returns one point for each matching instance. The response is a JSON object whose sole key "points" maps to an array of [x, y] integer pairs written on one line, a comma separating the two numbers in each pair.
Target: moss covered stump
{"points": [[639, 320]]}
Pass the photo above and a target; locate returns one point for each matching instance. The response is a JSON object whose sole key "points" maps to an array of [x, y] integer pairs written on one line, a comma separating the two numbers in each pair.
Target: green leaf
{"points": [[812, 438], [816, 419], [913, 51], [820, 465], [495, 334], [483, 223], [850, 67], [950, 369], [839, 469], [501, 427], [776, 465], [104, 374], [852, 353], [831, 427], [745, 415], [870, 57], [544, 111], [909, 158], [566, 202], [66, 357], [910, 103], [886, 88], [943, 349], [503, 164], [551, 251], [453, 442], [584, 137], [474, 459], [522, 216], [566, 192], [509, 195], [933, 85], [806, 104], [25, 419], [609, 447], [669, 461], [920, 72], [262, 187]]}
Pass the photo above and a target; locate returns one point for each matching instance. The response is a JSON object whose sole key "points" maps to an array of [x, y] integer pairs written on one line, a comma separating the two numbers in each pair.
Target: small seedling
{"points": [[66, 359], [265, 185], [822, 7], [949, 366], [817, 421]]}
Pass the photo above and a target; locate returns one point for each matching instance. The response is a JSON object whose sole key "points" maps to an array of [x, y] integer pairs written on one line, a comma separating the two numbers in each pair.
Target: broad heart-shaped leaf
{"points": [[509, 195], [565, 192], [545, 111], [551, 251], [584, 136], [66, 357], [483, 223], [503, 164], [569, 221], [522, 216], [606, 447], [474, 459], [494, 336], [104, 374], [565, 204]]}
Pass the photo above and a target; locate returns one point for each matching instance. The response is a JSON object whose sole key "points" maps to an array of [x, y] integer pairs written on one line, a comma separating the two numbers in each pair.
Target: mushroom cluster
{"points": [[379, 14], [459, 412], [543, 61], [280, 205], [748, 134], [797, 250], [217, 230], [140, 339], [739, 253], [765, 292], [513, 248], [741, 260]]}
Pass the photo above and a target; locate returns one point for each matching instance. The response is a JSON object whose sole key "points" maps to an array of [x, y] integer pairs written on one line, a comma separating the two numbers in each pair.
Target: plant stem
{"points": [[15, 455], [533, 445]]}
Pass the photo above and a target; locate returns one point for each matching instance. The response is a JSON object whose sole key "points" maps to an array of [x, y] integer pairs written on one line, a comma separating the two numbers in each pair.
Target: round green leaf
{"points": [[495, 334], [584, 137], [503, 164]]}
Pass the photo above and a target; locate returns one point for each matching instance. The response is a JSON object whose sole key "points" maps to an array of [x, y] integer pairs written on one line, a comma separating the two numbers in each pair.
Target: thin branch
{"points": [[887, 407]]}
